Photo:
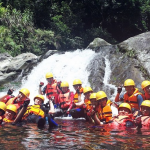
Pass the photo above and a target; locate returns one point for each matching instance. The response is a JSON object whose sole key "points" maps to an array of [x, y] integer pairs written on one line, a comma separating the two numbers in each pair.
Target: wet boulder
{"points": [[97, 43], [11, 67], [139, 46]]}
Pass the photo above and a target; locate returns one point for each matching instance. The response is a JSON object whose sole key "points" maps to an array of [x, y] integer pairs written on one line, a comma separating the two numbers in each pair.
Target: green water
{"points": [[74, 134]]}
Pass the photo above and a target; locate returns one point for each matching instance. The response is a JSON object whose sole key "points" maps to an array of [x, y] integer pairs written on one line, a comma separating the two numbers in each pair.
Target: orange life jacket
{"points": [[7, 120], [88, 104], [121, 120], [51, 90], [34, 109], [145, 120], [146, 96], [65, 100], [105, 114], [75, 99], [12, 101], [132, 100]]}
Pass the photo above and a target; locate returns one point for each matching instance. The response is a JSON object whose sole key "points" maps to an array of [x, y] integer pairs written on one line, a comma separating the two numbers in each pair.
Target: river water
{"points": [[72, 135]]}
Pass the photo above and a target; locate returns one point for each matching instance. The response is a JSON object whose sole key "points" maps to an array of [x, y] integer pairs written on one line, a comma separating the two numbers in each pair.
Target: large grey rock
{"points": [[11, 67], [47, 54], [98, 42], [140, 47]]}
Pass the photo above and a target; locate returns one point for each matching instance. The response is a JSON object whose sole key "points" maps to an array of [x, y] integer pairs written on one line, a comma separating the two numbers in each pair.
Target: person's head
{"points": [[23, 94], [87, 92], [77, 84], [146, 86], [64, 86], [101, 98], [124, 109], [129, 86], [2, 108], [11, 111], [49, 77], [39, 99], [145, 108], [93, 98]]}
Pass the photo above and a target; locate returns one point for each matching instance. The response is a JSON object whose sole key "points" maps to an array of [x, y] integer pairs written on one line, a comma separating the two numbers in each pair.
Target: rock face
{"points": [[11, 67], [112, 65], [98, 42], [140, 47], [116, 63]]}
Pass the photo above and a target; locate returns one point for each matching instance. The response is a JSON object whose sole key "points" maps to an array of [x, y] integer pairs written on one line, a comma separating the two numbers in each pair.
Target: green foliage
{"points": [[29, 23]]}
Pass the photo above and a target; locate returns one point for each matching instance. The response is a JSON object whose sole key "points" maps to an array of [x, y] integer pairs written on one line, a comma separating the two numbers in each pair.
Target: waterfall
{"points": [[109, 87], [65, 67]]}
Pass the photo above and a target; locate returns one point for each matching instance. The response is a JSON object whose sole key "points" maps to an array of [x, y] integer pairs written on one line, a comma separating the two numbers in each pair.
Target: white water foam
{"points": [[65, 67]]}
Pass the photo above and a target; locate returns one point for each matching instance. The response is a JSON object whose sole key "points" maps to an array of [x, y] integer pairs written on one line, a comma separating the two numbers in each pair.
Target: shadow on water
{"points": [[73, 134]]}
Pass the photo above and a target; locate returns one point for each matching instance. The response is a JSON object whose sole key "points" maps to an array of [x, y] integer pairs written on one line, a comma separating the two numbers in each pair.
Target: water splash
{"points": [[65, 67]]}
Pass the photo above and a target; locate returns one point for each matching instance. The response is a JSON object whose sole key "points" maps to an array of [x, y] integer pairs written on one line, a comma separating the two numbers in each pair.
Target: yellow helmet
{"points": [[93, 96], [125, 105], [12, 108], [3, 106], [25, 91], [77, 81], [49, 75], [64, 84], [145, 84], [146, 103], [129, 82], [87, 89], [100, 95], [39, 96]]}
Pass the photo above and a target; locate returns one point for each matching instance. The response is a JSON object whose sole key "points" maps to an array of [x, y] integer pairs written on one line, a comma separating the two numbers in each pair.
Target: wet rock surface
{"points": [[129, 59], [12, 67]]}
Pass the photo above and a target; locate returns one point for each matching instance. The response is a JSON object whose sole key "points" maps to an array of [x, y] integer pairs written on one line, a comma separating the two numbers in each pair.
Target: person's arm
{"points": [[114, 110], [71, 98], [52, 110], [42, 92], [117, 98], [96, 120], [81, 102], [140, 100], [5, 97]]}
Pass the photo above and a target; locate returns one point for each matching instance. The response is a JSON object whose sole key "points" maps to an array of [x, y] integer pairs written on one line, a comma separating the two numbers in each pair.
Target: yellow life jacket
{"points": [[75, 99], [7, 120], [34, 109]]}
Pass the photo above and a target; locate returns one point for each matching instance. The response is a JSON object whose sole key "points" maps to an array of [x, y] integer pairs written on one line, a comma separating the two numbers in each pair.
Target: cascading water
{"points": [[65, 67], [109, 87]]}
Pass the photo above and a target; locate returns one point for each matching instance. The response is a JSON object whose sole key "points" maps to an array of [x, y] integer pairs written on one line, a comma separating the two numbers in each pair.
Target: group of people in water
{"points": [[134, 111]]}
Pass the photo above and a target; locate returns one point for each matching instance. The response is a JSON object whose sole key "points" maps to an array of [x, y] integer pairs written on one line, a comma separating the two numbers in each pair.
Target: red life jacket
{"points": [[145, 120], [12, 101], [51, 90], [121, 120], [132, 100], [65, 100]]}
